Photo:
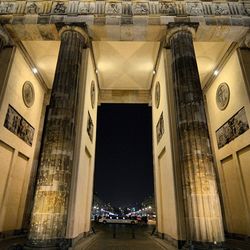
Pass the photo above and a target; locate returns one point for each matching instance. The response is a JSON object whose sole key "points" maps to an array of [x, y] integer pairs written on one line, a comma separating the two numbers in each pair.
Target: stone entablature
{"points": [[127, 8]]}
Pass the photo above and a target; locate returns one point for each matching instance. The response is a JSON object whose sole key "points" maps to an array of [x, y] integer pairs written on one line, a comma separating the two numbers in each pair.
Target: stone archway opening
{"points": [[123, 160], [83, 80]]}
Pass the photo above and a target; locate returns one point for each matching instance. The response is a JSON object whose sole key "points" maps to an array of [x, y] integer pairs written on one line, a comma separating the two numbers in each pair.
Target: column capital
{"points": [[173, 28], [80, 28], [244, 42], [247, 40], [4, 39]]}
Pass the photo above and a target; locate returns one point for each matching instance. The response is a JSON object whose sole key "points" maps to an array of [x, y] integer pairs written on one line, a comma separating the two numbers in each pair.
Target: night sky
{"points": [[123, 164]]}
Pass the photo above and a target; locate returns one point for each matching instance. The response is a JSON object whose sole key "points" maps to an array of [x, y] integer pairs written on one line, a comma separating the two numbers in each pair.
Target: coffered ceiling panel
{"points": [[125, 65]]}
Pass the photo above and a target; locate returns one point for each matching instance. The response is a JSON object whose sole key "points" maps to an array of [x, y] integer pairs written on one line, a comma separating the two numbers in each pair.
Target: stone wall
{"points": [[169, 219], [229, 129], [17, 145], [83, 173]]}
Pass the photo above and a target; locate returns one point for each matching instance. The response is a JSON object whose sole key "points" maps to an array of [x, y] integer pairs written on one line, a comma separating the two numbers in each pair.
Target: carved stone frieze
{"points": [[140, 8], [245, 8], [126, 8], [60, 8], [113, 8], [4, 39], [33, 8], [161, 8], [194, 9], [167, 8], [86, 8], [220, 9], [8, 7]]}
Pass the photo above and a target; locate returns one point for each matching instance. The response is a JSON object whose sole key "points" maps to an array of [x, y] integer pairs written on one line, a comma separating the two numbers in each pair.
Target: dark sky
{"points": [[123, 165]]}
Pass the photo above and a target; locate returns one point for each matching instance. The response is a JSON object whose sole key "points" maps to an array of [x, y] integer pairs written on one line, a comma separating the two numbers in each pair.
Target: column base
{"points": [[190, 245], [171, 241], [13, 233], [196, 245], [80, 237], [56, 244], [53, 244], [243, 237]]}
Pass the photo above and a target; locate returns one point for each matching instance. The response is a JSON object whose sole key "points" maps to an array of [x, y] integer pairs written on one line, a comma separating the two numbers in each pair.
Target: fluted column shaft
{"points": [[201, 201], [49, 216], [1, 43]]}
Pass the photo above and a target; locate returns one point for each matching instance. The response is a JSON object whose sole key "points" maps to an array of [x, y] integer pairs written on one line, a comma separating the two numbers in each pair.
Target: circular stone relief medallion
{"points": [[222, 96], [157, 94], [92, 94], [28, 93]]}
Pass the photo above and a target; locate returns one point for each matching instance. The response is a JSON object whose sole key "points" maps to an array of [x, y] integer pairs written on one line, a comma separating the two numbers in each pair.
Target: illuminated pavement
{"points": [[123, 237]]}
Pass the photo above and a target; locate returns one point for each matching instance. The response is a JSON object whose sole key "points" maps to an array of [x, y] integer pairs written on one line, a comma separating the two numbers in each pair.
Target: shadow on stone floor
{"points": [[124, 240]]}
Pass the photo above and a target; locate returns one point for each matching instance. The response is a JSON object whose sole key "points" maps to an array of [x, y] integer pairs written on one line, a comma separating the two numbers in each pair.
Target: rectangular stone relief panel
{"points": [[15, 123], [86, 8], [140, 8], [6, 155], [233, 197], [160, 128], [15, 198], [59, 7], [113, 8], [233, 128], [90, 127], [162, 191], [244, 159]]}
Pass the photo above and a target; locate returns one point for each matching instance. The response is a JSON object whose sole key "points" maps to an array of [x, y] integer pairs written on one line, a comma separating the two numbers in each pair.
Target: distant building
{"points": [[148, 207], [100, 207]]}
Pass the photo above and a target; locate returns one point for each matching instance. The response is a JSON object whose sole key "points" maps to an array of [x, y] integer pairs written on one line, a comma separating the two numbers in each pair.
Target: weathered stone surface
{"points": [[201, 201], [113, 20], [3, 38], [127, 20], [49, 216], [146, 7]]}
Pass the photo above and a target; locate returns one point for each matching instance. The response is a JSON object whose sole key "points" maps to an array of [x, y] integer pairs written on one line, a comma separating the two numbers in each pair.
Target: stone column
{"points": [[3, 38], [201, 201], [49, 215]]}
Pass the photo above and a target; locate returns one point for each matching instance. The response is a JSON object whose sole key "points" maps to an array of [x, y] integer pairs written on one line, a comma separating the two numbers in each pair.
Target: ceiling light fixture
{"points": [[96, 71], [154, 72], [216, 72], [35, 71]]}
